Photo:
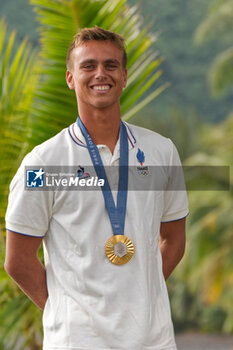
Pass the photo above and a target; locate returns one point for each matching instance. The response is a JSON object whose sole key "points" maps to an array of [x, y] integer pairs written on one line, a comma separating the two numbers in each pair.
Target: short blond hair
{"points": [[96, 34]]}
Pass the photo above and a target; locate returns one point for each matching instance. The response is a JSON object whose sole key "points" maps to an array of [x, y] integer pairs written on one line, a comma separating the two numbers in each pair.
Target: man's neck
{"points": [[102, 125]]}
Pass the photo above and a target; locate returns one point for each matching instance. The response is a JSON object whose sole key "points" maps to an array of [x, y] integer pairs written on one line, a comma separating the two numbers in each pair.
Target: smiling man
{"points": [[107, 253], [97, 72]]}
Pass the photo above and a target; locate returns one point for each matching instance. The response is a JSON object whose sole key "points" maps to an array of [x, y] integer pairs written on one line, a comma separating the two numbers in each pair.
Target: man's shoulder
{"points": [[52, 149], [146, 135], [157, 148], [54, 140]]}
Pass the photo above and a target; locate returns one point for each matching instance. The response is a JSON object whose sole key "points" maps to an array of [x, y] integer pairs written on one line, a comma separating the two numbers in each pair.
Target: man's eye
{"points": [[88, 66], [112, 66]]}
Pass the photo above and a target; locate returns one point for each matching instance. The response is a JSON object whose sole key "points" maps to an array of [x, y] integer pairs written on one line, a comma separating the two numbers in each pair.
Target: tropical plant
{"points": [[207, 269], [17, 82], [219, 22], [180, 126], [18, 76], [33, 109]]}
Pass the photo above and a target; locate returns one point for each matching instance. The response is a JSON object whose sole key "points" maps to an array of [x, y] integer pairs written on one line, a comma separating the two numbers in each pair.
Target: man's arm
{"points": [[172, 244], [24, 266]]}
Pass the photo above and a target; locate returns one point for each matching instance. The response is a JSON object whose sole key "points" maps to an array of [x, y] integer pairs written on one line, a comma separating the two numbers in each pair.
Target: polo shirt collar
{"points": [[77, 136]]}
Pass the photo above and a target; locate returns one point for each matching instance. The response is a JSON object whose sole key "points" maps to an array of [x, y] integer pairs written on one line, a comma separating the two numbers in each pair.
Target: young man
{"points": [[106, 256]]}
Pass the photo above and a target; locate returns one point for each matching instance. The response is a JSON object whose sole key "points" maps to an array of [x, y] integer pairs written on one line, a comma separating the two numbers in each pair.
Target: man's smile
{"points": [[99, 87]]}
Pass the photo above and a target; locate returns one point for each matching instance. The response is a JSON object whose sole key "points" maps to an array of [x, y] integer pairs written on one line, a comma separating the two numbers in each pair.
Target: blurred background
{"points": [[180, 85]]}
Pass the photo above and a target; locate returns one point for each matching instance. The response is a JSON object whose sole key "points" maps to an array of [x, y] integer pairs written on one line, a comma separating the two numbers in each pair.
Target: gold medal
{"points": [[119, 249]]}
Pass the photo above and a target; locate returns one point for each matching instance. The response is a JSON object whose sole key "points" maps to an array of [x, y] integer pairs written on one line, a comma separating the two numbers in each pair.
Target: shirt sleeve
{"points": [[175, 196], [29, 210]]}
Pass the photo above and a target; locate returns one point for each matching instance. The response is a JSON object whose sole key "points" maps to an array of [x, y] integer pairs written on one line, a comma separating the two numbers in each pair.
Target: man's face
{"points": [[97, 74]]}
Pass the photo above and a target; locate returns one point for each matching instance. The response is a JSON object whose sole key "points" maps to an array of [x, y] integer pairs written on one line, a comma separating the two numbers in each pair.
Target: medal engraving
{"points": [[120, 249]]}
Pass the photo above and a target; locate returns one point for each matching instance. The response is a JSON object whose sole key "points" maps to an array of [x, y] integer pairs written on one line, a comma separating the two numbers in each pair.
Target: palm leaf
{"points": [[59, 21], [19, 324], [207, 265], [16, 93], [17, 81], [221, 72], [219, 21]]}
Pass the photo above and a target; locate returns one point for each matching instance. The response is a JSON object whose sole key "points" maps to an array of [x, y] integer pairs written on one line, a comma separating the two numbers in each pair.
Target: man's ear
{"points": [[69, 79]]}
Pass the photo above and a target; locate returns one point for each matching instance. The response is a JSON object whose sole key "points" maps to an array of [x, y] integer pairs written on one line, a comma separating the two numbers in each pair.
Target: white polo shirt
{"points": [[94, 304]]}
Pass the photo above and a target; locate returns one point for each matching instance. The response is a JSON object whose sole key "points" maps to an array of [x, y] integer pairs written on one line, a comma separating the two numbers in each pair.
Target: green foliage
{"points": [[207, 269], [212, 319], [20, 324], [219, 23], [221, 72], [18, 76], [181, 127], [20, 17], [185, 65], [17, 82]]}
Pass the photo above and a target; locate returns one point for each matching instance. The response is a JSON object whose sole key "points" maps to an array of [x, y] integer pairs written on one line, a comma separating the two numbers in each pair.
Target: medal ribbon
{"points": [[116, 213]]}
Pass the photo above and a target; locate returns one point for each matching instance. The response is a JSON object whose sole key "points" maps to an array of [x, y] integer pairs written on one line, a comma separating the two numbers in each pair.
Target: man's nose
{"points": [[100, 72]]}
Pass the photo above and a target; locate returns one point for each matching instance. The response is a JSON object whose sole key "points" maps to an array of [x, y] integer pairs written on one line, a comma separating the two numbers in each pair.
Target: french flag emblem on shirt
{"points": [[140, 157]]}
